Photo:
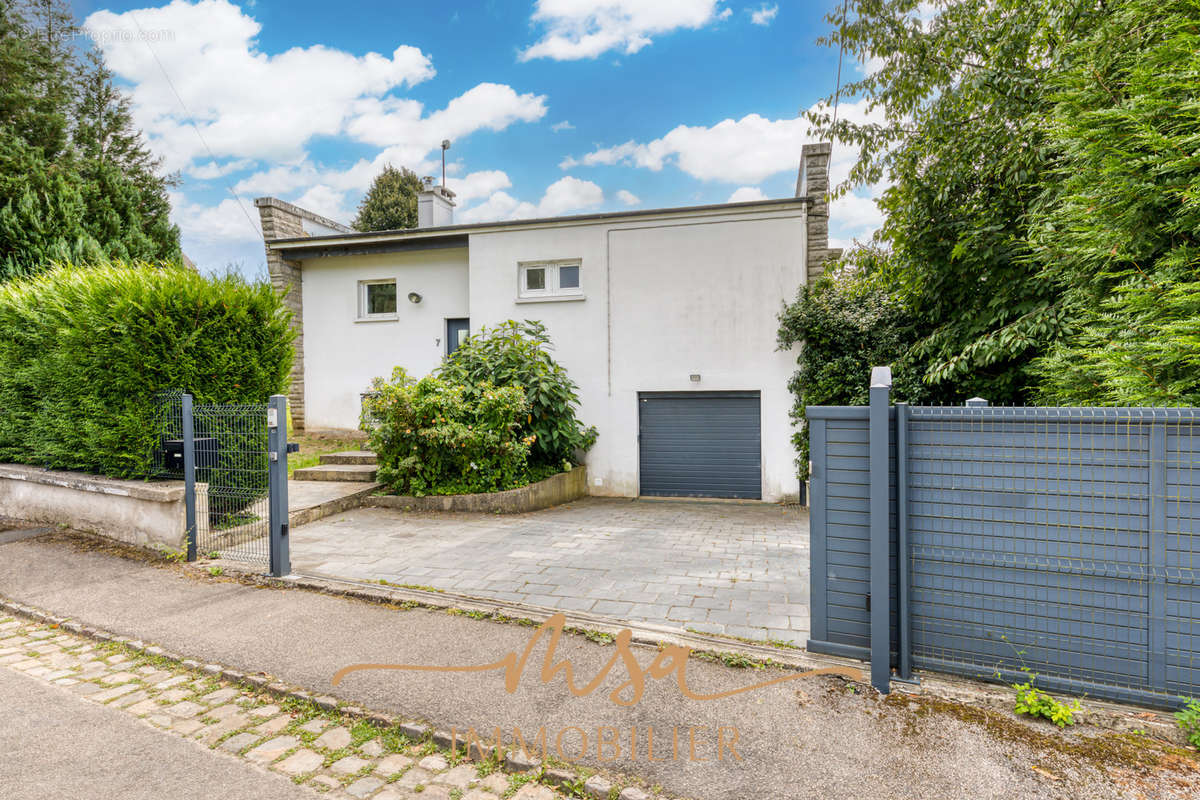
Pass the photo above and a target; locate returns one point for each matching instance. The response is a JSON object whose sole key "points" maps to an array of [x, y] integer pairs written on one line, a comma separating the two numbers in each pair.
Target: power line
{"points": [[192, 120], [837, 94]]}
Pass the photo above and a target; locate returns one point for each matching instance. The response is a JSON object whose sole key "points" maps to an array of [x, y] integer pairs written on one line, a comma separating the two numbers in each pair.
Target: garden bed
{"points": [[555, 490]]}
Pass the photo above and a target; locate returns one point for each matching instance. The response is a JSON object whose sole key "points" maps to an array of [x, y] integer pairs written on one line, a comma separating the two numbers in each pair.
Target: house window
{"points": [[550, 279], [377, 299]]}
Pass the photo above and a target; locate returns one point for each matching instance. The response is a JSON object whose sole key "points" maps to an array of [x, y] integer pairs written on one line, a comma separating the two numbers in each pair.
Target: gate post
{"points": [[881, 574], [277, 433], [189, 474], [903, 556]]}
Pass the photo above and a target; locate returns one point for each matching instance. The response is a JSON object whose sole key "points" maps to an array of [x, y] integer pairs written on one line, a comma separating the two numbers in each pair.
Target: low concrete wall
{"points": [[561, 488], [148, 514]]}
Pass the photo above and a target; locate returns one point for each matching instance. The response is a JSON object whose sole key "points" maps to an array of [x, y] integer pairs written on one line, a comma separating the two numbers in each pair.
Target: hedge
{"points": [[84, 351]]}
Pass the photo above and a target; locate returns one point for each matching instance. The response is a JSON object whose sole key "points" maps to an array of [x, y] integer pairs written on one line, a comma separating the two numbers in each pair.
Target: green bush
{"points": [[84, 351], [1037, 703], [1188, 719], [434, 437], [846, 322], [517, 354]]}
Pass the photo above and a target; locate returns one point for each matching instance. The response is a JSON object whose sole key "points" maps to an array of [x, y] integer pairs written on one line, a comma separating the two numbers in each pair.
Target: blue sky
{"points": [[553, 106]]}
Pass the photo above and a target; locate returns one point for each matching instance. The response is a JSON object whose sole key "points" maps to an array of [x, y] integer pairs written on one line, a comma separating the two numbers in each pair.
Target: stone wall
{"points": [[282, 220]]}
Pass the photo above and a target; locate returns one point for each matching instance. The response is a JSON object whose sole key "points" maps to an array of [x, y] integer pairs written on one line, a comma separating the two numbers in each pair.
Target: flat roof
{"points": [[456, 233]]}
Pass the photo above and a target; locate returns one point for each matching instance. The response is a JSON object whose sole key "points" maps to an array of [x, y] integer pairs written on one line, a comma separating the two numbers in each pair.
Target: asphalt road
{"points": [[58, 745], [809, 738]]}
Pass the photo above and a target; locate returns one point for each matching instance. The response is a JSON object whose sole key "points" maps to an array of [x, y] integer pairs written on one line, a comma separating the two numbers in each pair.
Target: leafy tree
{"points": [[1118, 226], [846, 322], [391, 202], [960, 102]]}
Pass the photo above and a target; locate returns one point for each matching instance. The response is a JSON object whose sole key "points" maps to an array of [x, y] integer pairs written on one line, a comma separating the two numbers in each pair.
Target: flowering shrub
{"points": [[431, 438]]}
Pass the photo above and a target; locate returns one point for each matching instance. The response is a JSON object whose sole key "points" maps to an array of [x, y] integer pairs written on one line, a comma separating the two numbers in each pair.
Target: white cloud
{"points": [[492, 106], [736, 151], [228, 220], [565, 125], [764, 15], [213, 169], [725, 14], [246, 103], [746, 194], [578, 29], [565, 195], [628, 198], [478, 184]]}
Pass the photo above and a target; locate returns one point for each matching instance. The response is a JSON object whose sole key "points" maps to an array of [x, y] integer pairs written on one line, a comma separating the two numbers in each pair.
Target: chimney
{"points": [[813, 183], [435, 205]]}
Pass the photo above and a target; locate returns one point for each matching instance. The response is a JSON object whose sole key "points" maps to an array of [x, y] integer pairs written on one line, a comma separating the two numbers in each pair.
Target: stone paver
{"points": [[300, 762], [723, 568], [253, 726]]}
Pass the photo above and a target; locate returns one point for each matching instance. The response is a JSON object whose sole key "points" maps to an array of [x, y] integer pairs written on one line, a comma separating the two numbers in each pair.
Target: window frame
{"points": [[363, 292], [552, 290]]}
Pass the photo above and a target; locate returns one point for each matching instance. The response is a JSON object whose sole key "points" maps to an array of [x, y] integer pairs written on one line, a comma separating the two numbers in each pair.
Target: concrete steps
{"points": [[358, 457], [361, 473], [349, 465]]}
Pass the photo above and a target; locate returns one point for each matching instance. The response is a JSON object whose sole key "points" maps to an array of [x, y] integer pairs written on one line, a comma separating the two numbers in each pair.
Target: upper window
{"points": [[377, 299], [550, 279]]}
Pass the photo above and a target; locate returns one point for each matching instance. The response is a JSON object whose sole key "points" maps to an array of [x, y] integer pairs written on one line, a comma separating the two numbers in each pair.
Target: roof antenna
{"points": [[445, 147]]}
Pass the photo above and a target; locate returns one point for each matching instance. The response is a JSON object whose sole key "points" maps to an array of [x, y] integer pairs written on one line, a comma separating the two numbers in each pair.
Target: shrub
{"points": [[517, 354], [846, 322], [434, 437], [1188, 719], [84, 351]]}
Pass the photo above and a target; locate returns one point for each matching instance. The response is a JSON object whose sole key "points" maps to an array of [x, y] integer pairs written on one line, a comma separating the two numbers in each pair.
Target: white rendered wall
{"points": [[663, 299], [342, 354]]}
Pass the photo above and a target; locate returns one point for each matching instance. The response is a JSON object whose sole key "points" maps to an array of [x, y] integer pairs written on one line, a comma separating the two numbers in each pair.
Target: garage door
{"points": [[700, 444]]}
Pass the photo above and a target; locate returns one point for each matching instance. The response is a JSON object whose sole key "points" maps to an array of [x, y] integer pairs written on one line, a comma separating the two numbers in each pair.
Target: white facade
{"points": [[661, 297]]}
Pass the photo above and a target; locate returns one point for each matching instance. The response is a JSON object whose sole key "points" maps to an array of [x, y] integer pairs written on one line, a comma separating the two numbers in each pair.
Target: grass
{"points": [[313, 446]]}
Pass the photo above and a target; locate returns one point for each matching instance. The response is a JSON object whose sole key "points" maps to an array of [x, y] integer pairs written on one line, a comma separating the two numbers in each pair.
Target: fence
{"points": [[1061, 541], [233, 461]]}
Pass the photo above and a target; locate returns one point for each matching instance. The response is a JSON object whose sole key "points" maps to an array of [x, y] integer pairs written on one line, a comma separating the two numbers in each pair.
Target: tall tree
{"points": [[76, 179], [961, 98], [1118, 225], [125, 194], [391, 202]]}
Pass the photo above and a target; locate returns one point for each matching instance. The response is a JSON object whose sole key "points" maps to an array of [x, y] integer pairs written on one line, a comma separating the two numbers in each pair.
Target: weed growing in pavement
{"points": [[216, 571], [1037, 703], [1189, 720]]}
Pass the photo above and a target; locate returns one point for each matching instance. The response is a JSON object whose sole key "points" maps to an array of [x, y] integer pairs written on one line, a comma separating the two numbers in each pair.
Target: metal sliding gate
{"points": [[233, 462], [1009, 542]]}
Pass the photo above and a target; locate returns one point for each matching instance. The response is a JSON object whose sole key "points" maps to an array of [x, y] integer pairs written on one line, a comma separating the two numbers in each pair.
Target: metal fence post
{"points": [[280, 557], [1157, 557], [189, 474], [903, 557], [881, 574]]}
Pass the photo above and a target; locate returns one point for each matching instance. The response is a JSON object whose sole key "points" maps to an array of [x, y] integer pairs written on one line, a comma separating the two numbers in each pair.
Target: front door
{"points": [[456, 331]]}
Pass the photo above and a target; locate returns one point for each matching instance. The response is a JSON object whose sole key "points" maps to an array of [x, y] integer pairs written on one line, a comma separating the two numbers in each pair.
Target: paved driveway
{"points": [[723, 568]]}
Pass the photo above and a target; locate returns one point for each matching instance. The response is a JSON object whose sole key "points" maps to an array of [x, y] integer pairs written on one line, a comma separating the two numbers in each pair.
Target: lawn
{"points": [[313, 445]]}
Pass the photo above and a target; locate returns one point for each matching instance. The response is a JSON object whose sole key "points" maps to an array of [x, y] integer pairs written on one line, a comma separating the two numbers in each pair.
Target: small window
{"points": [[377, 299], [550, 279], [568, 277], [535, 279]]}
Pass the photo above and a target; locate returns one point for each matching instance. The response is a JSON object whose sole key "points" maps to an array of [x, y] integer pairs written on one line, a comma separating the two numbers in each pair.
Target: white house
{"points": [[665, 318]]}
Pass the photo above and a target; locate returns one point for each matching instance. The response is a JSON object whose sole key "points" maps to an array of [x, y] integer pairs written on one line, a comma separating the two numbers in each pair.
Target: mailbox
{"points": [[205, 447]]}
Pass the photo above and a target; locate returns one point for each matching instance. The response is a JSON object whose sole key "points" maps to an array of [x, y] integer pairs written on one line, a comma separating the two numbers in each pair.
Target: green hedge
{"points": [[84, 351]]}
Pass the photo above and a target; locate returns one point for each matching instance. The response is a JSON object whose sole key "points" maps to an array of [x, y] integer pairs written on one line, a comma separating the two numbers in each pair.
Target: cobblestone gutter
{"points": [[340, 751]]}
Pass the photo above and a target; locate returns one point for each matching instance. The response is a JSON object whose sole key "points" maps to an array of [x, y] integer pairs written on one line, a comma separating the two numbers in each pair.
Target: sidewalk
{"points": [[811, 737]]}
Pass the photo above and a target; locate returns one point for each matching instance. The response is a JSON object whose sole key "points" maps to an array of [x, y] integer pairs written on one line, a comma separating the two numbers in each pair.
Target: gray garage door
{"points": [[700, 444]]}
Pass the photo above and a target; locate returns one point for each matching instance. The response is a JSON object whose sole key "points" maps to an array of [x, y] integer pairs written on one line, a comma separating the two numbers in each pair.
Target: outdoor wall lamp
{"points": [[413, 297]]}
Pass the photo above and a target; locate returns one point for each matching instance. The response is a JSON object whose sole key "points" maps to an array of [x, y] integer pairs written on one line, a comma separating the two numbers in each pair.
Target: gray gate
{"points": [[233, 461], [1056, 540]]}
